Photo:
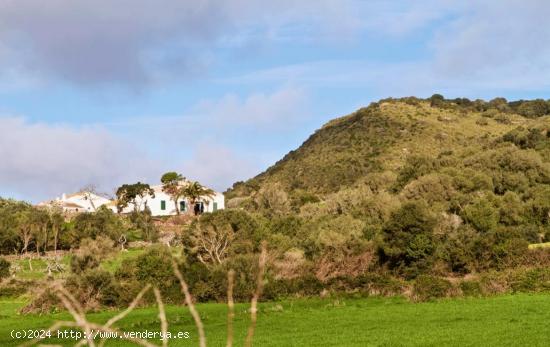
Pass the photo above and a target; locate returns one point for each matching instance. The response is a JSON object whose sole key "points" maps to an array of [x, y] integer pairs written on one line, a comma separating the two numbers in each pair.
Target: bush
{"points": [[91, 253], [379, 284], [428, 287], [532, 280], [482, 122], [15, 287], [152, 267], [408, 241], [94, 289], [4, 268], [103, 222], [307, 285], [471, 288]]}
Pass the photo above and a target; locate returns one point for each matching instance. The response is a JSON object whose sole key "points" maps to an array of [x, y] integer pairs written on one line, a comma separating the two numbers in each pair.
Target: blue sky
{"points": [[103, 93]]}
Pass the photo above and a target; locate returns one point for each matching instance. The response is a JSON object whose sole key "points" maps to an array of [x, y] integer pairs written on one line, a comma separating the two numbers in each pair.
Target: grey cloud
{"points": [[133, 42], [41, 161]]}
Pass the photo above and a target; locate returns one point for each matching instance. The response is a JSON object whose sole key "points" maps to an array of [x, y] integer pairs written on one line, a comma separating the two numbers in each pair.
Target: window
{"points": [[163, 205], [215, 206], [182, 206]]}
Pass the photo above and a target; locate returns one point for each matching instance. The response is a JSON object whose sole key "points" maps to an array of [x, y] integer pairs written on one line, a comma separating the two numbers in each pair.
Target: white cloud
{"points": [[259, 111], [504, 39], [42, 161], [218, 166]]}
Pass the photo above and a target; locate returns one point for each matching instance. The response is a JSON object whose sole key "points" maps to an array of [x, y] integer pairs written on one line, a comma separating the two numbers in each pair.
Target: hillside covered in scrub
{"points": [[424, 198], [382, 141], [431, 185]]}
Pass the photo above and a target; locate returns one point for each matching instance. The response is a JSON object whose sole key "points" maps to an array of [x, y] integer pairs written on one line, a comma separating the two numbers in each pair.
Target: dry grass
{"points": [[76, 310]]}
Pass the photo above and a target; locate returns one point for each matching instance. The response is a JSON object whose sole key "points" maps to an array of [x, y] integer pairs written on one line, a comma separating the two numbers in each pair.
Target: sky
{"points": [[102, 92]]}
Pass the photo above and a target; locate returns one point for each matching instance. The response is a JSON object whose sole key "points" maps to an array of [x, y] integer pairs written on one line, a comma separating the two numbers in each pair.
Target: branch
{"points": [[189, 302], [254, 303], [230, 307], [162, 317]]}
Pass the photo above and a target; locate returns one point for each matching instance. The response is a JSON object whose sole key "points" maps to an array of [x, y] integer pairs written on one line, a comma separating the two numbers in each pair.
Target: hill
{"points": [[382, 141]]}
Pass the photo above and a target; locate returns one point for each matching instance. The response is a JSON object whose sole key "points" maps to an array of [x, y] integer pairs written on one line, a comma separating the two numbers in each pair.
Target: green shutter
{"points": [[163, 205], [182, 206], [215, 206]]}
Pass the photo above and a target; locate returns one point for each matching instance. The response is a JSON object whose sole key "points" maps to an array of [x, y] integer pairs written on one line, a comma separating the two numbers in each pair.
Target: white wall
{"points": [[155, 204], [83, 200]]}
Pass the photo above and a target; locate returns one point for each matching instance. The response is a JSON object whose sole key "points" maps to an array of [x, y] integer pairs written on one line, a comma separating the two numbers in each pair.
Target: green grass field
{"points": [[512, 320]]}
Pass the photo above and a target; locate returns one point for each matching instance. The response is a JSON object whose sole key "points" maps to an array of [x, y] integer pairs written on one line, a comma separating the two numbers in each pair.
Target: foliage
{"points": [[407, 239], [4, 268], [103, 222], [430, 287], [193, 192], [91, 253], [132, 194], [171, 185], [94, 288]]}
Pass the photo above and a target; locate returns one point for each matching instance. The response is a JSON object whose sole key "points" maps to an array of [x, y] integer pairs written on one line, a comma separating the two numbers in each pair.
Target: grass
{"points": [[498, 321], [113, 263], [39, 266]]}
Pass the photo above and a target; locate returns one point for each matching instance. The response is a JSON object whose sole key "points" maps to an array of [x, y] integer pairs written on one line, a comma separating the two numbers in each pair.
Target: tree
{"points": [[272, 199], [171, 185], [132, 194], [88, 192], [57, 221], [40, 221], [437, 100], [482, 215], [211, 243], [408, 239], [4, 268], [23, 222], [195, 191]]}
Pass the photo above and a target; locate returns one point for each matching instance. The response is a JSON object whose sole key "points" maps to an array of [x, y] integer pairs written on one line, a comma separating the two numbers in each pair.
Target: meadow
{"points": [[508, 320]]}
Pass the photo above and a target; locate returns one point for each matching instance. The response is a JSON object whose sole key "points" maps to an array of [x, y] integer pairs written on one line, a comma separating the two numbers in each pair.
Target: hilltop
{"points": [[378, 144]]}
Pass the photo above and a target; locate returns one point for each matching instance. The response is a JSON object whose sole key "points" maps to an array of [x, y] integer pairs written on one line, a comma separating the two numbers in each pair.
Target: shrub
{"points": [[532, 280], [152, 267], [379, 284], [494, 283], [143, 222], [83, 262], [481, 214], [482, 122], [94, 288], [407, 239], [45, 301], [103, 222], [15, 287], [428, 287], [307, 285], [4, 268], [503, 118], [471, 288], [91, 253]]}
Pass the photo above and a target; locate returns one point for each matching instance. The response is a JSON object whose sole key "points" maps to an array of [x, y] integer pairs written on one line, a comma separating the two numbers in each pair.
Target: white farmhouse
{"points": [[163, 205], [78, 202]]}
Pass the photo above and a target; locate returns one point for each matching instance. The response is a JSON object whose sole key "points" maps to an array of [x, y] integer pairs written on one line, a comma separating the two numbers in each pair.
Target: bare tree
{"points": [[211, 243]]}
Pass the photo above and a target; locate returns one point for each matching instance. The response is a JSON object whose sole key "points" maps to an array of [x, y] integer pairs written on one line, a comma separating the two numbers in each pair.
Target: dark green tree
{"points": [[408, 239], [132, 194], [172, 185]]}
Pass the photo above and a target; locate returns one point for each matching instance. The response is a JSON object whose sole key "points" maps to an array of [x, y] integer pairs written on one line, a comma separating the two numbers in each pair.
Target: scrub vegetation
{"points": [[414, 198]]}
